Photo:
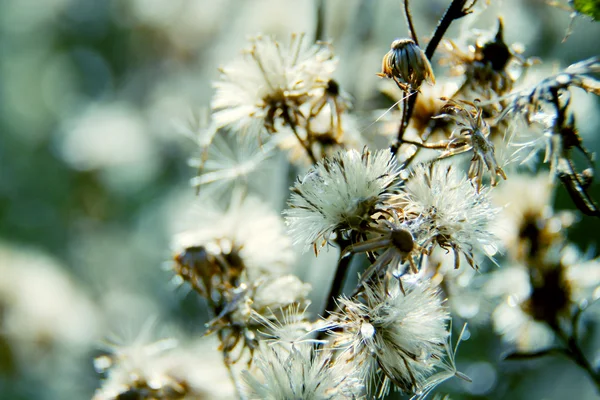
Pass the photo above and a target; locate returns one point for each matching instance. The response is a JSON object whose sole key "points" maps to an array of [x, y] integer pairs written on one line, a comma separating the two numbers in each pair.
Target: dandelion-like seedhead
{"points": [[510, 319], [414, 223], [266, 300], [247, 233], [228, 162], [270, 81], [538, 296], [340, 194], [454, 213], [162, 369], [399, 330], [301, 372]]}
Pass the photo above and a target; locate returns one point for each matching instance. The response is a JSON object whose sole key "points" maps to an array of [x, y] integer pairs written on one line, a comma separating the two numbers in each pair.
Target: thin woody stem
{"points": [[411, 27], [455, 10], [320, 27], [433, 146], [292, 124], [228, 365], [339, 278]]}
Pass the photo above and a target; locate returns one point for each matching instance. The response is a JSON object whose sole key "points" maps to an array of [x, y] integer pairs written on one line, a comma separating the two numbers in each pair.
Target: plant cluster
{"points": [[443, 210]]}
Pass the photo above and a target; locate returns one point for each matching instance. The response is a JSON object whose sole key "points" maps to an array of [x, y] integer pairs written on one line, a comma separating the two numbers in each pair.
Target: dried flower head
{"points": [[340, 194], [454, 215], [527, 226], [270, 82], [399, 331], [325, 133], [533, 101], [472, 133], [490, 67], [407, 65], [548, 103], [246, 313], [163, 370], [249, 239], [392, 242], [543, 294], [301, 372]]}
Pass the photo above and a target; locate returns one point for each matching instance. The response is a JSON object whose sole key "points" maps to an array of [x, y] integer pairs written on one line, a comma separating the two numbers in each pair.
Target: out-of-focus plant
{"points": [[444, 204]]}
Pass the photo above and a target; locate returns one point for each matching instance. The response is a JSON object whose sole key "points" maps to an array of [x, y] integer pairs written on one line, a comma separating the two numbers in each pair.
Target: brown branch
{"points": [[411, 27], [339, 278], [320, 28], [456, 10]]}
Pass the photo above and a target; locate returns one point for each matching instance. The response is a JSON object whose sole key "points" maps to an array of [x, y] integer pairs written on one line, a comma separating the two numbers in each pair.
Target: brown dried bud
{"points": [[407, 64]]}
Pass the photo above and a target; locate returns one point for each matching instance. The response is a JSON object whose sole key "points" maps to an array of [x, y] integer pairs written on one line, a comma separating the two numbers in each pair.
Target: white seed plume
{"points": [[248, 227], [398, 332], [340, 194], [457, 214], [268, 80], [300, 373]]}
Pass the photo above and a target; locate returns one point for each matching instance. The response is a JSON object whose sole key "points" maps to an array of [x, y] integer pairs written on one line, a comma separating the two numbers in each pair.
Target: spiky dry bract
{"points": [[301, 372], [455, 215], [249, 231], [268, 300], [407, 64], [393, 241], [472, 134], [247, 312], [340, 194], [270, 79], [490, 66], [398, 332], [547, 105], [530, 103], [326, 133]]}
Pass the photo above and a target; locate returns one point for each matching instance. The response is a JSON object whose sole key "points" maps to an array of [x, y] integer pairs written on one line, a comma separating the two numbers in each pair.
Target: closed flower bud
{"points": [[407, 65]]}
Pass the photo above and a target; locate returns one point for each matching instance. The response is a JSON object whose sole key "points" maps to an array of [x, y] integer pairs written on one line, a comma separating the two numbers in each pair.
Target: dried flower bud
{"points": [[407, 65]]}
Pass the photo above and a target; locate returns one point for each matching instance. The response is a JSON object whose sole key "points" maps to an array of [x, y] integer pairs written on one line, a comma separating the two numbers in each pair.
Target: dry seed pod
{"points": [[407, 65]]}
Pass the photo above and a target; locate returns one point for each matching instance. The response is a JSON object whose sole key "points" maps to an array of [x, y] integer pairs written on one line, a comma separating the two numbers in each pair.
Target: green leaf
{"points": [[588, 7]]}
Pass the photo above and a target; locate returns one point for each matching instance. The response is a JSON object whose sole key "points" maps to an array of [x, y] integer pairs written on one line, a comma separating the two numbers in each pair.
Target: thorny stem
{"points": [[455, 10], [337, 285], [411, 27]]}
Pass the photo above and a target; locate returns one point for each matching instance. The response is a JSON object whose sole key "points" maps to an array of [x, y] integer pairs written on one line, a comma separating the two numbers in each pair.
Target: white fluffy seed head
{"points": [[267, 77], [340, 194], [456, 213], [301, 372], [400, 333], [250, 228]]}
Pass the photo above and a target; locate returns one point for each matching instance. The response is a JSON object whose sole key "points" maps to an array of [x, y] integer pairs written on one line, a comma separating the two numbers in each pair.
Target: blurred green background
{"points": [[94, 174]]}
